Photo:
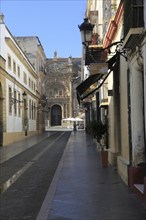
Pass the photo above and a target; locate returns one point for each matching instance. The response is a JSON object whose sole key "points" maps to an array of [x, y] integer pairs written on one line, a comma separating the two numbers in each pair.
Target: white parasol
{"points": [[73, 119]]}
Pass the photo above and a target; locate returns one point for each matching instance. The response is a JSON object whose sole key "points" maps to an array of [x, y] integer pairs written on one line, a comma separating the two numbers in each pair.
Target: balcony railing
{"points": [[133, 15], [95, 55]]}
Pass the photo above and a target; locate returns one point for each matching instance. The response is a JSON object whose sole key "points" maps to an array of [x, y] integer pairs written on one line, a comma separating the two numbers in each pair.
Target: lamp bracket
{"points": [[118, 49], [15, 101]]}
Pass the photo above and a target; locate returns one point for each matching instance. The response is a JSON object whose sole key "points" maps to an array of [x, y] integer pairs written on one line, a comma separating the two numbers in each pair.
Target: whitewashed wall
{"points": [[14, 122]]}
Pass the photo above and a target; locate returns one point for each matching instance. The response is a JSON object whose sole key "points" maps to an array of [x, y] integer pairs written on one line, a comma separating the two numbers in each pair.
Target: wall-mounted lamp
{"points": [[15, 101], [24, 95], [86, 29]]}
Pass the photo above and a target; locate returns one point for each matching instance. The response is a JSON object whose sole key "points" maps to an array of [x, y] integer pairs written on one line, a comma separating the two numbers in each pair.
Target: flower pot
{"points": [[136, 175], [104, 158]]}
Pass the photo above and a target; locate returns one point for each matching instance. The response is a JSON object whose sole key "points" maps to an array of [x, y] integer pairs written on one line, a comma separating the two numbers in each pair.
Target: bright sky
{"points": [[54, 22]]}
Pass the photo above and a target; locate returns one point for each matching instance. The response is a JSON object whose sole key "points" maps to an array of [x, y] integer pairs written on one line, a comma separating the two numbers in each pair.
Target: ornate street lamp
{"points": [[24, 95], [86, 29]]}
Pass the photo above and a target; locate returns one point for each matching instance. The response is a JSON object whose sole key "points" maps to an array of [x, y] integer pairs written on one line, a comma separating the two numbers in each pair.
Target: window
{"points": [[29, 82], [9, 61], [19, 106], [30, 109], [10, 100], [60, 92], [55, 91], [18, 71], [14, 66], [24, 78], [15, 103], [34, 111]]}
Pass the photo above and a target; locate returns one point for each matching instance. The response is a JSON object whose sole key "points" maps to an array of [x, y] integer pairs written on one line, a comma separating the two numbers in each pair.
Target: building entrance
{"points": [[56, 115]]}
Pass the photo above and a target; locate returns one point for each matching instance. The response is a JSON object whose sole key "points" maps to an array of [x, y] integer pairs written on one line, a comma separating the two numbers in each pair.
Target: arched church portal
{"points": [[56, 115]]}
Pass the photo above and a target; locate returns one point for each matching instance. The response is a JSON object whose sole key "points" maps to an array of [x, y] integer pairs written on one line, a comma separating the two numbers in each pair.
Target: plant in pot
{"points": [[99, 131]]}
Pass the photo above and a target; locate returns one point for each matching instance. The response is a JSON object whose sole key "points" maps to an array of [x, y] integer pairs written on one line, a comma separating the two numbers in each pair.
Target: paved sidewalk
{"points": [[83, 190]]}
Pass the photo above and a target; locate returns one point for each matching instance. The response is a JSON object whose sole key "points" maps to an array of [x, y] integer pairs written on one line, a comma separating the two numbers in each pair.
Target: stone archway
{"points": [[1, 116], [56, 115]]}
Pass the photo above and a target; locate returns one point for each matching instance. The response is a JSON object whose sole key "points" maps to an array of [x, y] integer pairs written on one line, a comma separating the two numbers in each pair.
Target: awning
{"points": [[101, 68], [87, 86], [90, 85]]}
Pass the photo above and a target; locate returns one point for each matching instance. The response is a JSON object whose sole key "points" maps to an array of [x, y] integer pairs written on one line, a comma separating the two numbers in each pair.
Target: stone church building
{"points": [[62, 77]]}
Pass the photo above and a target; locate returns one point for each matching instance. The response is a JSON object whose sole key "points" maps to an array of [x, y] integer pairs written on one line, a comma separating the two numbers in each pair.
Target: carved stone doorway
{"points": [[56, 115]]}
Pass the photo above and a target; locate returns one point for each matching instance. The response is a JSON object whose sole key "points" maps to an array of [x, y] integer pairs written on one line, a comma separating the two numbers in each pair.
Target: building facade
{"points": [[63, 74], [18, 90], [34, 51], [120, 97], [35, 92], [135, 44]]}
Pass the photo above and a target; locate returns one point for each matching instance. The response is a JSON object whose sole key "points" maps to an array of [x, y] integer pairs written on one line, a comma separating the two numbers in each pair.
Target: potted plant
{"points": [[99, 131], [103, 155]]}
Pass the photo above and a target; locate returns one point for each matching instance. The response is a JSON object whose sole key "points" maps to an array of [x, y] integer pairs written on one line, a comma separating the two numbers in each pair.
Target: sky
{"points": [[54, 22]]}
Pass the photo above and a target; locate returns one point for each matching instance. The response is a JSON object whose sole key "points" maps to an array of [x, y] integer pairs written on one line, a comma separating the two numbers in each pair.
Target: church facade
{"points": [[62, 76]]}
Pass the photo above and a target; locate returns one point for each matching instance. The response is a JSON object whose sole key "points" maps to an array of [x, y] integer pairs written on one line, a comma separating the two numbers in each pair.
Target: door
{"points": [[56, 115]]}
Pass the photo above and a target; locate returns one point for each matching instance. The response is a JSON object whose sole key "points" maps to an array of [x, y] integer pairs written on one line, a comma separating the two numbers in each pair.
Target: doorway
{"points": [[56, 115]]}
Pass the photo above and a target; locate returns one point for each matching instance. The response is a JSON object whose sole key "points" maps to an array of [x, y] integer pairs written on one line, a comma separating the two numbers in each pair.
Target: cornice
{"points": [[21, 56]]}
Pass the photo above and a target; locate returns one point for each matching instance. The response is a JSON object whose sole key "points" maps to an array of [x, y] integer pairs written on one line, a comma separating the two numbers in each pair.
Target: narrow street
{"points": [[73, 110], [25, 178]]}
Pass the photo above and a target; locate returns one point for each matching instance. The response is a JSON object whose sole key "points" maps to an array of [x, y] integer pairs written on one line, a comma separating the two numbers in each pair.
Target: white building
{"points": [[34, 51], [17, 75]]}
